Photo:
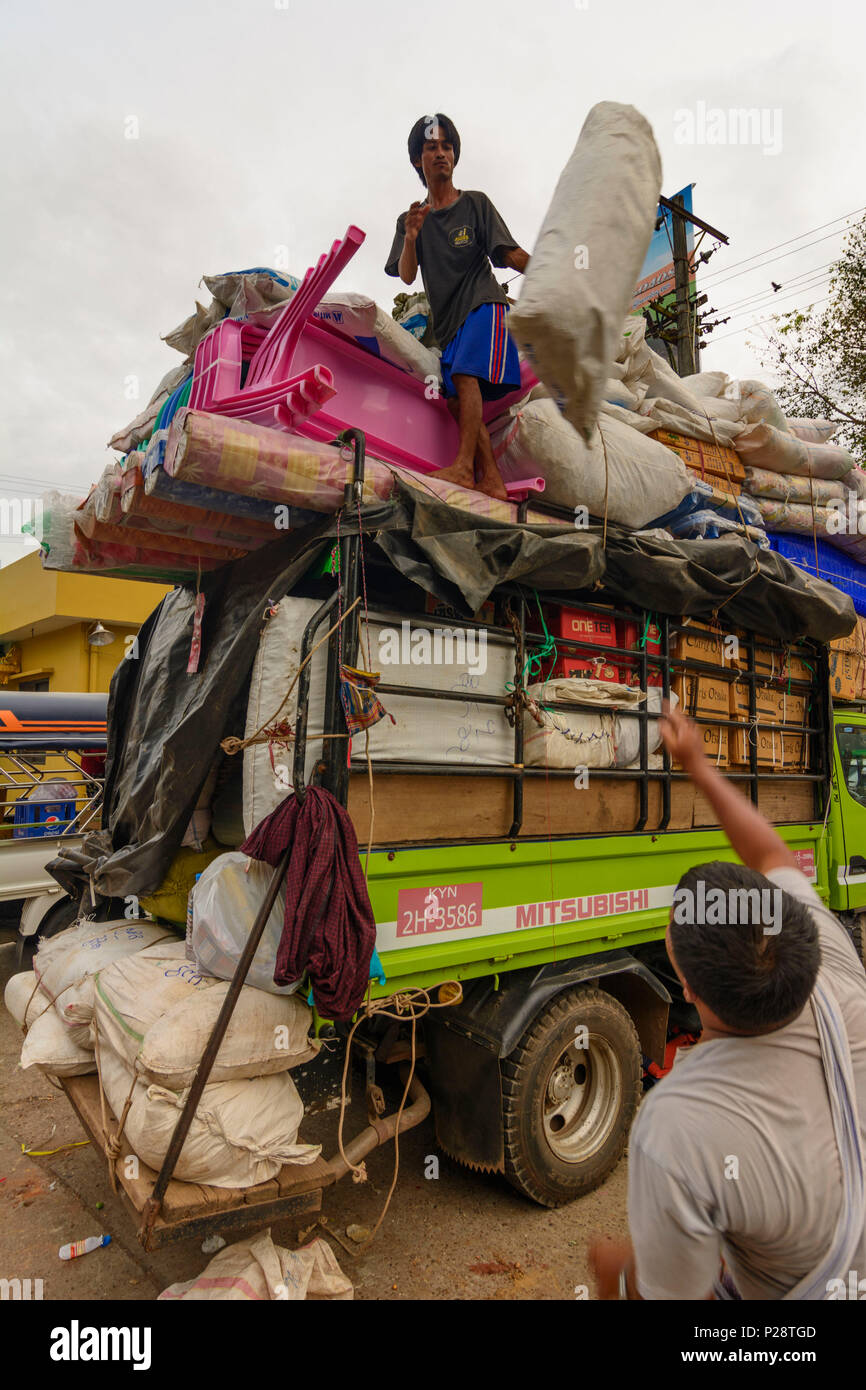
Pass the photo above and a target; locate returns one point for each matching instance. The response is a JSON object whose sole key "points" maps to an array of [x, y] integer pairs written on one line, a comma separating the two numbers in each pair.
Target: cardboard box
{"points": [[593, 669], [703, 695], [855, 641], [698, 642], [629, 635], [715, 739], [708, 461], [774, 749], [779, 666], [847, 675], [772, 704]]}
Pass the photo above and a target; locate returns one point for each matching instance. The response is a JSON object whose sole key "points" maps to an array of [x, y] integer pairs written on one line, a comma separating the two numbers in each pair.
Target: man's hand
{"points": [[752, 837], [682, 738], [415, 220], [606, 1258]]}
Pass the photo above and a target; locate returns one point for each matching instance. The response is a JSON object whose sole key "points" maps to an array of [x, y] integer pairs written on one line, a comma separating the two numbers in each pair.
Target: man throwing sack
{"points": [[453, 236]]}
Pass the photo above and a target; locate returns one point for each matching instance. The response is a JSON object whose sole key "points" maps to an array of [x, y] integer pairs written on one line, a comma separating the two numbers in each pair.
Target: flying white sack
{"points": [[587, 259]]}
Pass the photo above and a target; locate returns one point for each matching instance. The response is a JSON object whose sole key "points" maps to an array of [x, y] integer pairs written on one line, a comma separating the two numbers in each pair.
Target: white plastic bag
{"points": [[157, 1012], [256, 1269], [587, 259], [225, 902], [241, 1134]]}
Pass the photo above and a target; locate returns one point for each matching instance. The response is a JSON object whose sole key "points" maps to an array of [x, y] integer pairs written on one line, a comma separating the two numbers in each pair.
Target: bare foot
{"points": [[461, 472], [490, 482]]}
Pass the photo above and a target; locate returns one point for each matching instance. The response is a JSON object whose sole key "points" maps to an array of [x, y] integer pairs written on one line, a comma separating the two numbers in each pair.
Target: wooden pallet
{"points": [[191, 1209]]}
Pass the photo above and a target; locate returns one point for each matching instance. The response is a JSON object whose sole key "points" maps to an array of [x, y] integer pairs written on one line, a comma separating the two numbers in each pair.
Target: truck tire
{"points": [[62, 915], [567, 1110], [857, 931]]}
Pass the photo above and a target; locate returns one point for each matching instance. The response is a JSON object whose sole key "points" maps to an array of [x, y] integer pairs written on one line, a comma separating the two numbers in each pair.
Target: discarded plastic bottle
{"points": [[82, 1247]]}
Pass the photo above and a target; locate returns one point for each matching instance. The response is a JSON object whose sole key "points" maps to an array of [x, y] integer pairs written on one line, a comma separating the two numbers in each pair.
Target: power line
{"points": [[759, 294], [772, 260], [724, 269], [796, 290], [747, 326]]}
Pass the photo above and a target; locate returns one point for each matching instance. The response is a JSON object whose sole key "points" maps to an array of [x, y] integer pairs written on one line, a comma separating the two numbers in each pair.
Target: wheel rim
{"points": [[582, 1099]]}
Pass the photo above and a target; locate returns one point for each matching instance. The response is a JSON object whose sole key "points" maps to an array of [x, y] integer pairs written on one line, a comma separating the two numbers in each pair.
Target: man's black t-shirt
{"points": [[452, 248]]}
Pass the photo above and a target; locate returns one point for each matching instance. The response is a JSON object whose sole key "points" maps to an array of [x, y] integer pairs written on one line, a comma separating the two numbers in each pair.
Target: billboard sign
{"points": [[657, 275]]}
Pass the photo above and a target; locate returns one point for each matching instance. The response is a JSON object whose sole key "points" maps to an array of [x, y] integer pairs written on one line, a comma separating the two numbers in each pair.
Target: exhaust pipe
{"points": [[380, 1131]]}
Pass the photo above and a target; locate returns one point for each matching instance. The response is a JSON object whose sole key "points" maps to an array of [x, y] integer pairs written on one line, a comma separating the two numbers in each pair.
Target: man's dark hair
{"points": [[417, 136], [751, 979]]}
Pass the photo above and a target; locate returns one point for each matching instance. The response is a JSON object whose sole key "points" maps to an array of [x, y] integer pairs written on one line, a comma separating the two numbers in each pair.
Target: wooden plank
{"points": [[186, 1200], [781, 800], [414, 809], [304, 1177]]}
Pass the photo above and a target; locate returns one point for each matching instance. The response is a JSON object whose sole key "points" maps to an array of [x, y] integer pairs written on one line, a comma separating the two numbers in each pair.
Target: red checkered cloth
{"points": [[328, 929]]}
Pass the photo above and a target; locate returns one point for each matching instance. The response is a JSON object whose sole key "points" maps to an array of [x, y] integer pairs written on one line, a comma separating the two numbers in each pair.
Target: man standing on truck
{"points": [[751, 1151], [453, 236]]}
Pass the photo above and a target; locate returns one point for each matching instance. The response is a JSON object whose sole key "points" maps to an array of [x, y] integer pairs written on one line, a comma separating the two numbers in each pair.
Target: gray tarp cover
{"points": [[165, 726]]}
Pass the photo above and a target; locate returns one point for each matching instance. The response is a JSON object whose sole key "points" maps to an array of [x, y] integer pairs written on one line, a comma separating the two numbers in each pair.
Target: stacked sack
{"points": [[53, 1002], [122, 999], [153, 1015]]}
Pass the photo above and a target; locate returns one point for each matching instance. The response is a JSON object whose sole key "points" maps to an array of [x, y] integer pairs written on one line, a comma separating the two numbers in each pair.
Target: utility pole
{"points": [[681, 333], [685, 334]]}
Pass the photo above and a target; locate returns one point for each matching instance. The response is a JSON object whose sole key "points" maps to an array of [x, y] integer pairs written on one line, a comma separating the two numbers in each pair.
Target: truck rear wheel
{"points": [[570, 1090], [58, 918]]}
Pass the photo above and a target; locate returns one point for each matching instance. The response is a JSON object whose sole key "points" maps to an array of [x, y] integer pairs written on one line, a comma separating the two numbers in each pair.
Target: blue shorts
{"points": [[482, 347]]}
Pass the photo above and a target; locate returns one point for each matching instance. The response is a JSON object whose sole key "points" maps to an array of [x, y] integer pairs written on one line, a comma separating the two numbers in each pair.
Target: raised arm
{"points": [[408, 265], [751, 836]]}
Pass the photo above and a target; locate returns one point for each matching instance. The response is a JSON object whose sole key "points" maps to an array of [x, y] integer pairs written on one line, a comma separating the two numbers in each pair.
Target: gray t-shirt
{"points": [[758, 1107], [452, 248]]}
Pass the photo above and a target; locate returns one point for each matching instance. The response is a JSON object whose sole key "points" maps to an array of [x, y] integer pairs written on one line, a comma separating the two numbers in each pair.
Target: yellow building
{"points": [[46, 616]]}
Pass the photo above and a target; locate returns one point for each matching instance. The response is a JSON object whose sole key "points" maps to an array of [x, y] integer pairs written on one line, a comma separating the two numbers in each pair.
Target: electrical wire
{"points": [[747, 326], [772, 260], [819, 280], [790, 282], [724, 269]]}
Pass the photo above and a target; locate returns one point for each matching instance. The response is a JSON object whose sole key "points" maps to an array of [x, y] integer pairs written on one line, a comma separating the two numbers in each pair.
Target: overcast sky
{"points": [[262, 124]]}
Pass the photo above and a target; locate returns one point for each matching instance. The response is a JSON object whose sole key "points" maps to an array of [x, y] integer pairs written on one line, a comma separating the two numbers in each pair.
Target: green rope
{"points": [[534, 662]]}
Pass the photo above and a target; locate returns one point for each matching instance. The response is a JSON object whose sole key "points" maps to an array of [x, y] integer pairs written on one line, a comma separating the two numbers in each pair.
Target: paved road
{"points": [[461, 1235]]}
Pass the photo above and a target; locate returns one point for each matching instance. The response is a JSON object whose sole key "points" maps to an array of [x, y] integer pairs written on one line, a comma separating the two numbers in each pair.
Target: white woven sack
{"points": [[66, 964], [157, 1012], [783, 452], [49, 1047], [644, 479], [586, 262], [241, 1134]]}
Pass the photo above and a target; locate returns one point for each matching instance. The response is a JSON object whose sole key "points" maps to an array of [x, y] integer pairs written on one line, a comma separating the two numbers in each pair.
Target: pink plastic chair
{"points": [[306, 376]]}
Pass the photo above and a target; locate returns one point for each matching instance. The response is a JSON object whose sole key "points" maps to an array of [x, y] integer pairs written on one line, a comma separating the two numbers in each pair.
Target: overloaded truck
{"points": [[519, 820]]}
